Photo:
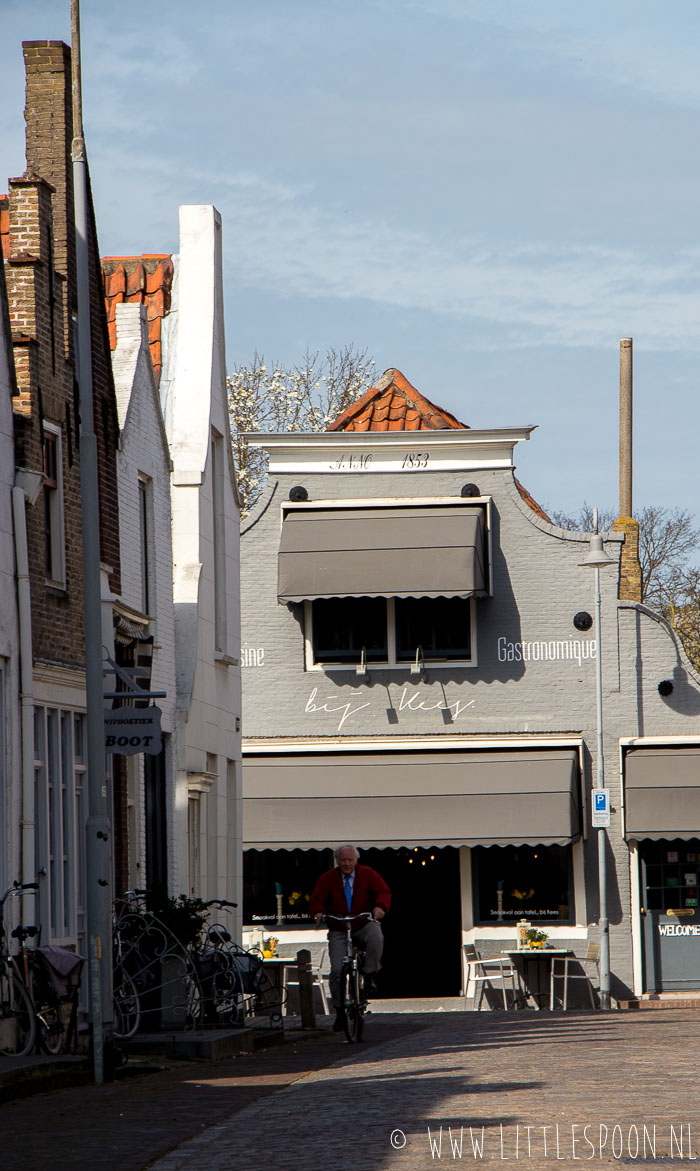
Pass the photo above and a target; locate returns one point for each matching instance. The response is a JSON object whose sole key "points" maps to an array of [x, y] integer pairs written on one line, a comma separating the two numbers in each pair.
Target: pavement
{"points": [[542, 1089]]}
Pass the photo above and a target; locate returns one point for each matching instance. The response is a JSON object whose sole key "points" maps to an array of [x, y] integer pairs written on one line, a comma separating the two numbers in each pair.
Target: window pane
{"points": [[343, 626], [440, 626], [534, 883]]}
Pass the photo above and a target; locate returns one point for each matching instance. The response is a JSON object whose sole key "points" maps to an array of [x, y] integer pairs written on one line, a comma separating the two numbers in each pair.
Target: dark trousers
{"points": [[369, 938]]}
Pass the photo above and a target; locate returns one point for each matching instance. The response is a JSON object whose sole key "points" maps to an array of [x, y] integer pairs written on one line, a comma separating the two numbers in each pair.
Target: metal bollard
{"points": [[306, 989]]}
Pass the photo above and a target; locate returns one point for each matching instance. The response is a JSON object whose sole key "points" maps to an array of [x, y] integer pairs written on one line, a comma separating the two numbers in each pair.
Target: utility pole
{"points": [[98, 841]]}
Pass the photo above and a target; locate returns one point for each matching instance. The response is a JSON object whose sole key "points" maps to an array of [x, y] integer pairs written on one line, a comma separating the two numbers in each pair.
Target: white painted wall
{"points": [[143, 451], [193, 396]]}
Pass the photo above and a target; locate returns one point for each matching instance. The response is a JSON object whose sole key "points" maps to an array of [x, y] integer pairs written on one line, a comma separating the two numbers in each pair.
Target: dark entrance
{"points": [[671, 917], [156, 827], [423, 933]]}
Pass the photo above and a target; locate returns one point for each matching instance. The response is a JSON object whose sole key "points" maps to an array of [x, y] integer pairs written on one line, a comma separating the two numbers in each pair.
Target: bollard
{"points": [[306, 989]]}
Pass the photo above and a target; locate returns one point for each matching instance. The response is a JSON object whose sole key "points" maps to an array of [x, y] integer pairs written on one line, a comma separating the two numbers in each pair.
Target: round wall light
{"points": [[470, 490], [665, 687], [583, 620], [298, 493]]}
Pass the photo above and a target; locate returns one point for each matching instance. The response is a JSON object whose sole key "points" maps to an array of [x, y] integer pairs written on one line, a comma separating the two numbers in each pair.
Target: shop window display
{"points": [[513, 882]]}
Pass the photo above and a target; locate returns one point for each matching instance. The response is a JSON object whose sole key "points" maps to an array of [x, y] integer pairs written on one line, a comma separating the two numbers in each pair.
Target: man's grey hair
{"points": [[347, 846]]}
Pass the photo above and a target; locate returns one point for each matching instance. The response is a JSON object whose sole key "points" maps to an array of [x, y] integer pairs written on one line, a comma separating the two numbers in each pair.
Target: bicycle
{"points": [[17, 1017], [352, 979]]}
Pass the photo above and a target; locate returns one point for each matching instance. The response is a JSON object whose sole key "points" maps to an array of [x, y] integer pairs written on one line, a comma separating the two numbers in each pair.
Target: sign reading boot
{"points": [[129, 730]]}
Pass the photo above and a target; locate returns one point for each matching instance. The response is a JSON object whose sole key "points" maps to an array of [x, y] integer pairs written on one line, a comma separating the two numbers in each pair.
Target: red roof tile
{"points": [[145, 280], [530, 500], [394, 405]]}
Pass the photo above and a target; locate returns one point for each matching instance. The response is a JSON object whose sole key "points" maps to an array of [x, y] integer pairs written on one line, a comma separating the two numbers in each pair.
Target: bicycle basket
{"points": [[249, 968], [63, 969]]}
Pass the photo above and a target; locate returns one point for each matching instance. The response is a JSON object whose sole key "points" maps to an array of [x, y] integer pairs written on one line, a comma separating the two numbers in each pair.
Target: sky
{"points": [[485, 194]]}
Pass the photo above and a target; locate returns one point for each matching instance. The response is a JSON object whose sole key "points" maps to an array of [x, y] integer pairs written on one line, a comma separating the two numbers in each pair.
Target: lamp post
{"points": [[598, 559]]}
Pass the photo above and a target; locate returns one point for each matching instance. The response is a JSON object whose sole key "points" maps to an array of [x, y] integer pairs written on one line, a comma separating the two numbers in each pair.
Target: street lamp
{"points": [[598, 559]]}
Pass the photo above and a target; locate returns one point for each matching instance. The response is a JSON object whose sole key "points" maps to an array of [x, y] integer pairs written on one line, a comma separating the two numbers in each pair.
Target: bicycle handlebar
{"points": [[349, 918], [17, 887]]}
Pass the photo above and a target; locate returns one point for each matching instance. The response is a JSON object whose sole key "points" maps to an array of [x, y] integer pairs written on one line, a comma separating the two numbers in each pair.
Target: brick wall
{"points": [[42, 294]]}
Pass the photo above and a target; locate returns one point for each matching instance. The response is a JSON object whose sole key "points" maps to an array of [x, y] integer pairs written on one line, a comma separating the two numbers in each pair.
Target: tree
{"points": [[305, 398], [670, 584]]}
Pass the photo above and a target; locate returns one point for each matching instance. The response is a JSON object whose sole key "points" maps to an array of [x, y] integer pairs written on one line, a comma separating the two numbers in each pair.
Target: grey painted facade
{"points": [[532, 680]]}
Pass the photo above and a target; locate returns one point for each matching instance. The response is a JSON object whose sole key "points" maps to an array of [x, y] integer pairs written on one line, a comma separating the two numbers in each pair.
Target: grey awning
{"points": [[432, 551], [662, 792], [523, 797]]}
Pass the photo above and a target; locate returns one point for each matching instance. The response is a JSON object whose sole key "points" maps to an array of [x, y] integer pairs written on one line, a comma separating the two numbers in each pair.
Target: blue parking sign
{"points": [[600, 802]]}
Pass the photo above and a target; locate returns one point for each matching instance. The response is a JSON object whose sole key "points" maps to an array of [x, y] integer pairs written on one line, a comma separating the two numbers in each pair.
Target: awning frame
{"points": [[384, 746], [485, 503]]}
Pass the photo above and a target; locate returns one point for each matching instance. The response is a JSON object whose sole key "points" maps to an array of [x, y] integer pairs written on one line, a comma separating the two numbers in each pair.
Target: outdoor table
{"points": [[534, 968], [273, 991]]}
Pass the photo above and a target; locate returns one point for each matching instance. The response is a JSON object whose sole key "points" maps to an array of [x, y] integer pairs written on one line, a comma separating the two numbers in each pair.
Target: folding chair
{"points": [[495, 972], [290, 979], [561, 967]]}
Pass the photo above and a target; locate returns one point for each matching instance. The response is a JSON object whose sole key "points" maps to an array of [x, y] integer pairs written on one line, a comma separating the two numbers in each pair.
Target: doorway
{"points": [[671, 916], [423, 934]]}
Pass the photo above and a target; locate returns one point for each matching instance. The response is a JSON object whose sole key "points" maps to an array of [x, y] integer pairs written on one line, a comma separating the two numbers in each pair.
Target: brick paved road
{"points": [[622, 1090]]}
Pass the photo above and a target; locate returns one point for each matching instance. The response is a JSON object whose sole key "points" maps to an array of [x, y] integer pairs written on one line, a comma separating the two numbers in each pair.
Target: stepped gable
{"points": [[394, 405], [146, 280]]}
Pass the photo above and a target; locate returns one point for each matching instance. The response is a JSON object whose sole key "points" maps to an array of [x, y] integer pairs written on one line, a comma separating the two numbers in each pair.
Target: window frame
{"points": [[54, 509], [391, 663]]}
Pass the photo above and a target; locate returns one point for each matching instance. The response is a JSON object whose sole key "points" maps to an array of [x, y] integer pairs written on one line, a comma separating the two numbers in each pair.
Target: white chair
{"points": [[290, 979], [561, 967], [495, 972]]}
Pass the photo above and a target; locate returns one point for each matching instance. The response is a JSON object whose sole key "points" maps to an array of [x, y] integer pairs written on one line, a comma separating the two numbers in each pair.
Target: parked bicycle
{"points": [[352, 979], [17, 1019]]}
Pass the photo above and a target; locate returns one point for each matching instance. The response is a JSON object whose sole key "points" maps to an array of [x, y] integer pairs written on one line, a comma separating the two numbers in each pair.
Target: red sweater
{"points": [[369, 890]]}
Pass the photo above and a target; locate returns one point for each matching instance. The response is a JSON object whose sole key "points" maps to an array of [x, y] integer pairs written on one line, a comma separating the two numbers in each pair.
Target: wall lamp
{"points": [[361, 668], [418, 666]]}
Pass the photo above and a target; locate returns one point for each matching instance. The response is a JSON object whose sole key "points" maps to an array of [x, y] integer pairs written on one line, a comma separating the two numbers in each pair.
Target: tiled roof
{"points": [[146, 280], [5, 226], [530, 500], [394, 405]]}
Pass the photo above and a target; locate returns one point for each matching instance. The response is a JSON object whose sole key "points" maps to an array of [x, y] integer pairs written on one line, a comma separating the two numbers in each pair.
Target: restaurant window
{"points": [[277, 884], [392, 631], [515, 882]]}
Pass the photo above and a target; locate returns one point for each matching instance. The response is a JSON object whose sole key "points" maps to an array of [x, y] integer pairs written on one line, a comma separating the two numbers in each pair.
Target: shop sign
{"points": [[130, 730], [574, 650]]}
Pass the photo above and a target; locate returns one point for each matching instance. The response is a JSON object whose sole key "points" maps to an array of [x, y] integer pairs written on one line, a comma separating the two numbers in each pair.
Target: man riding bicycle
{"points": [[351, 889]]}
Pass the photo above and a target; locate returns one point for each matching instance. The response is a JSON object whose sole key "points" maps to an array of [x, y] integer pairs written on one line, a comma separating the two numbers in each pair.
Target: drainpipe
{"points": [[98, 859], [24, 607]]}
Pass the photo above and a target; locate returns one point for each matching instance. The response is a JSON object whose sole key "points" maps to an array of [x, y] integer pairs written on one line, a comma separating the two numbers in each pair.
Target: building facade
{"points": [[38, 239], [181, 297], [419, 679]]}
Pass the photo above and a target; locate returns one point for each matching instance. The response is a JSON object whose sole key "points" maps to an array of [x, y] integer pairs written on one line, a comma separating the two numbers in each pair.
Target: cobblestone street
{"points": [[544, 1091], [539, 1090]]}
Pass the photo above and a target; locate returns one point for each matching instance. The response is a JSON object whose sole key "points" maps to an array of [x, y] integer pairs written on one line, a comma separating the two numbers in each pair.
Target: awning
{"points": [[523, 797], [662, 792], [431, 551]]}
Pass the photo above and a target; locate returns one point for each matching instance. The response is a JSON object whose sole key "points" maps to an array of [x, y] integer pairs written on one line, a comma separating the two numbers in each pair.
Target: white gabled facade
{"points": [[145, 607], [205, 536]]}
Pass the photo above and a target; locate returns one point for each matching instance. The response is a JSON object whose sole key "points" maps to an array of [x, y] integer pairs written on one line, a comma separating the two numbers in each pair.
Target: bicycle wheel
{"points": [[352, 992], [126, 1006], [17, 1020], [50, 1029]]}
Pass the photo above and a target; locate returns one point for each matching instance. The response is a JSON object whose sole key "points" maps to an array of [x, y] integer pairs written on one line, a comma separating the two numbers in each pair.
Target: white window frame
{"points": [[146, 543], [57, 513], [391, 663], [61, 808]]}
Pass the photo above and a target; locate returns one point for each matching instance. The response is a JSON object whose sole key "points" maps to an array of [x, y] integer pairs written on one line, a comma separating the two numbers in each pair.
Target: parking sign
{"points": [[600, 801]]}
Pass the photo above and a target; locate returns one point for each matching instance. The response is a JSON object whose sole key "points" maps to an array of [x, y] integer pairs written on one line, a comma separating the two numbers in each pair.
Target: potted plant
{"points": [[536, 938]]}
